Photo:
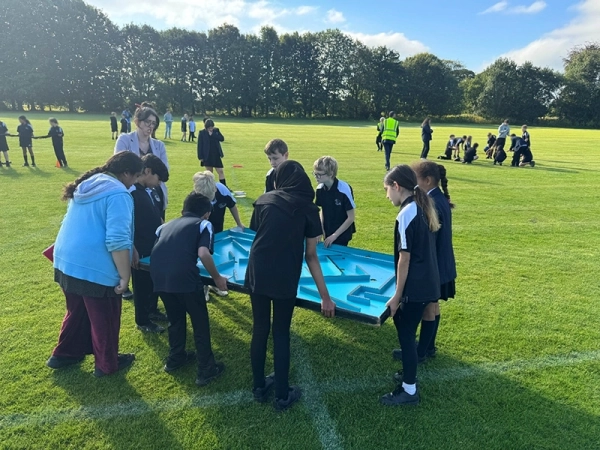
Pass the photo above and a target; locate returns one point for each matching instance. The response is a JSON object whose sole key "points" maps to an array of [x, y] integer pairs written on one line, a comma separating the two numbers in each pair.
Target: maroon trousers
{"points": [[91, 326]]}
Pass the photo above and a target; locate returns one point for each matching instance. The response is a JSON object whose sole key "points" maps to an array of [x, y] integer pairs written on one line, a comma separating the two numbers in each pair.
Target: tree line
{"points": [[68, 54]]}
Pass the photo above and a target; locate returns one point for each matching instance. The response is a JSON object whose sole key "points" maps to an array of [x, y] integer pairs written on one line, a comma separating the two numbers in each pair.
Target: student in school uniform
{"points": [[489, 148], [283, 218], [176, 279], [471, 153], [277, 152], [499, 156], [124, 124], [336, 199], [25, 132], [209, 149], [56, 133], [147, 219], [527, 156], [449, 148], [458, 142], [426, 133], [3, 143], [192, 128], [127, 114], [114, 127], [378, 139], [184, 121], [515, 147], [417, 274]]}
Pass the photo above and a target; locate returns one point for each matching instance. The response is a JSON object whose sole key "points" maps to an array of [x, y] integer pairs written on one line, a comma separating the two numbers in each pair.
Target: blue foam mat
{"points": [[360, 282]]}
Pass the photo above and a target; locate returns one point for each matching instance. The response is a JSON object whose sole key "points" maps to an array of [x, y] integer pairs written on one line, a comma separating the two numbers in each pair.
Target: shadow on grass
{"points": [[117, 410]]}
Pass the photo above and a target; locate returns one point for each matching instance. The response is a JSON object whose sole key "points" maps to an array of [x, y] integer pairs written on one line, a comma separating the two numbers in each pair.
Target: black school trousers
{"points": [[425, 150], [283, 309], [177, 306], [407, 319], [145, 300], [60, 154], [500, 142], [516, 158]]}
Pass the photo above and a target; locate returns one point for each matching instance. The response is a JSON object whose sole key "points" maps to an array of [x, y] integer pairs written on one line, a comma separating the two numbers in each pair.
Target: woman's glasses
{"points": [[149, 123]]}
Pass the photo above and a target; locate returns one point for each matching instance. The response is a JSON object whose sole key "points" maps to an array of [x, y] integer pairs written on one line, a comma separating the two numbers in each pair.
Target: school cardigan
{"points": [[443, 238], [129, 142]]}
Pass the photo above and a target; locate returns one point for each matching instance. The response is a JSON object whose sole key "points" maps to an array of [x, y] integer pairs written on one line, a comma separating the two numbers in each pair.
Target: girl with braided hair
{"points": [[417, 276], [92, 264]]}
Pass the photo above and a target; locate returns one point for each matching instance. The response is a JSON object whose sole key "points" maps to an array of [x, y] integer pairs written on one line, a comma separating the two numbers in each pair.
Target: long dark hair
{"points": [[425, 122], [143, 112], [25, 119], [123, 162], [405, 177], [437, 172]]}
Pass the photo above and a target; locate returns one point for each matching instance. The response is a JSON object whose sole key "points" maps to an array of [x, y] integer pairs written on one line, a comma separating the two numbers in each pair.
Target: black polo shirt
{"points": [[223, 199], [527, 138], [491, 140], [335, 203], [270, 181], [174, 257], [277, 253], [56, 133], [412, 235], [146, 219], [123, 125]]}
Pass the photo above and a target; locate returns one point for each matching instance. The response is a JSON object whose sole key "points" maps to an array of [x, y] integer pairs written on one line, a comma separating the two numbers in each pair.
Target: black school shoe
{"points": [[124, 359], [294, 395], [206, 376], [170, 366], [400, 397], [397, 355], [58, 362], [151, 327], [261, 395], [158, 316]]}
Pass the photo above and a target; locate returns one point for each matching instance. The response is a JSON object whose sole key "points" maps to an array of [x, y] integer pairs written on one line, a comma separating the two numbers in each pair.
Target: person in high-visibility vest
{"points": [[391, 130]]}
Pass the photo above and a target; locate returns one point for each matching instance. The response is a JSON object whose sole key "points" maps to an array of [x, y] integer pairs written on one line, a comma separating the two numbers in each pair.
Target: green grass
{"points": [[518, 364]]}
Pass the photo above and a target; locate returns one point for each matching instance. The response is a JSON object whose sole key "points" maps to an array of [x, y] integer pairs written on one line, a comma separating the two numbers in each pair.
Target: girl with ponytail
{"points": [[417, 277], [92, 264]]}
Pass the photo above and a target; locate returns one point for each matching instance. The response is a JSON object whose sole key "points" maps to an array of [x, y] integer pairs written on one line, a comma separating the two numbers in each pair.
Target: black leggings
{"points": [[283, 310], [407, 320], [425, 150], [60, 155]]}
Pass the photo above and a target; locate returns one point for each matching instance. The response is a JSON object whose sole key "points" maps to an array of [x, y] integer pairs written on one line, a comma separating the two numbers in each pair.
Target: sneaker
{"points": [[170, 366], [206, 294], [124, 359], [210, 374], [495, 162], [400, 397], [158, 316], [33, 165], [397, 355], [500, 163], [456, 159], [217, 291], [127, 295], [8, 163], [151, 327], [261, 395], [58, 362], [26, 165], [294, 395], [532, 163]]}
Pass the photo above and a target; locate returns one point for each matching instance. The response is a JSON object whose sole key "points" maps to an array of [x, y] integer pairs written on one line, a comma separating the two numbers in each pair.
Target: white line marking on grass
{"points": [[311, 393], [313, 390]]}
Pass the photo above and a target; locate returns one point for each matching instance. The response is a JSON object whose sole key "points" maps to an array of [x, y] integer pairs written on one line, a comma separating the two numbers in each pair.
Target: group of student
{"points": [[26, 136], [520, 146]]}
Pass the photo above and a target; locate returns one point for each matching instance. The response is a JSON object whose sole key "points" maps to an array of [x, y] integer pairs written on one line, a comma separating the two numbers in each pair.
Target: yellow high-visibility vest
{"points": [[390, 129]]}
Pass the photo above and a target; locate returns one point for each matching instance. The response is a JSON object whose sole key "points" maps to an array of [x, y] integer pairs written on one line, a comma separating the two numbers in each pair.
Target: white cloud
{"points": [[395, 41], [334, 16], [500, 6], [550, 49]]}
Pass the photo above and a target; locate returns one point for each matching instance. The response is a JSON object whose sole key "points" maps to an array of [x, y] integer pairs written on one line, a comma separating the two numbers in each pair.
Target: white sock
{"points": [[409, 388]]}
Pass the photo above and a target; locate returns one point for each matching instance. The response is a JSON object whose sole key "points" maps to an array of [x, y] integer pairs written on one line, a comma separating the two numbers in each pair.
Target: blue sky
{"points": [[474, 32]]}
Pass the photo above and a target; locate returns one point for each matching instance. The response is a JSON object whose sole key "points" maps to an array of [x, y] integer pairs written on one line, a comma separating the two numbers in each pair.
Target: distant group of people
{"points": [[26, 136]]}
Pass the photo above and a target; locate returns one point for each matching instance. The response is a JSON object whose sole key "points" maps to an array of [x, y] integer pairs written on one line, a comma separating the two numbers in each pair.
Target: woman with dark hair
{"points": [[92, 264], [285, 218], [142, 143], [417, 276], [426, 133], [209, 149]]}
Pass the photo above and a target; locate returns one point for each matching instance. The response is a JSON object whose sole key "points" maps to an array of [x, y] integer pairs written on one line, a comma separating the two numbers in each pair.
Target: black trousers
{"points": [[387, 148], [145, 300], [500, 156], [283, 309], [192, 136], [60, 155], [516, 158], [500, 142], [194, 304], [407, 320], [425, 150]]}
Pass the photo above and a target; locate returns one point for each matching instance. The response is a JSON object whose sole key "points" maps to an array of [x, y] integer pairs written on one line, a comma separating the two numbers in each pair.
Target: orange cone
{"points": [[58, 163]]}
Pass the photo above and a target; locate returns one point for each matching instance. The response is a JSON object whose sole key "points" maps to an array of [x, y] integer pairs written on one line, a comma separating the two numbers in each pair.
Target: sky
{"points": [[473, 32]]}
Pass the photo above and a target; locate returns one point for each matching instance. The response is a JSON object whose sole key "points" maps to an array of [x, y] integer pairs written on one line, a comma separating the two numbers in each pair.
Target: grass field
{"points": [[518, 365]]}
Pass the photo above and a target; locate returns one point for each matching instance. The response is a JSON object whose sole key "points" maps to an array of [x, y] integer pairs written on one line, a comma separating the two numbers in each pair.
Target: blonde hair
{"points": [[204, 184], [326, 164]]}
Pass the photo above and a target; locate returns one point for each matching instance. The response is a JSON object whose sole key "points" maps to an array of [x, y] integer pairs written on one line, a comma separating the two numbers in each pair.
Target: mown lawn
{"points": [[518, 361]]}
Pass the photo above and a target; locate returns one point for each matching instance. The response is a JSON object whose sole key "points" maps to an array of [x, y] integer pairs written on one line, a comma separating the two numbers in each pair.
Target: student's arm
{"points": [[314, 266], [121, 260], [209, 265], [236, 216], [322, 225], [135, 260], [401, 274], [343, 227], [218, 135]]}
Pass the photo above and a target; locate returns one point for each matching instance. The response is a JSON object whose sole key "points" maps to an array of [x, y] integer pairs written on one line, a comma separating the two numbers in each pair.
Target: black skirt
{"points": [[25, 142], [447, 290], [214, 156], [3, 144]]}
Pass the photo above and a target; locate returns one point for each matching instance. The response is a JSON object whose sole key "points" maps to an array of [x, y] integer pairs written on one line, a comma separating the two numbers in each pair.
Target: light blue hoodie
{"points": [[99, 220]]}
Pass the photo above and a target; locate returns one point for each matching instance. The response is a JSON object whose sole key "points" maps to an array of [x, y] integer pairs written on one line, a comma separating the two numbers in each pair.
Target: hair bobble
{"points": [[416, 187]]}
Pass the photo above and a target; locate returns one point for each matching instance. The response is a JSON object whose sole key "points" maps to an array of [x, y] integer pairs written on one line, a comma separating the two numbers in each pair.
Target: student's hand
{"points": [[327, 307], [122, 287], [330, 240], [221, 283], [393, 303], [135, 260], [242, 227]]}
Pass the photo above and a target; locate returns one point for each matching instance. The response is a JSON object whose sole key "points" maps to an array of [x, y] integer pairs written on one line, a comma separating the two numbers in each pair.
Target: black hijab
{"points": [[293, 192]]}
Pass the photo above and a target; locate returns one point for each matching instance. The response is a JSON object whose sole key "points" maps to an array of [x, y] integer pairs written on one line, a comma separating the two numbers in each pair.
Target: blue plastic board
{"points": [[360, 282]]}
